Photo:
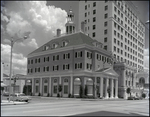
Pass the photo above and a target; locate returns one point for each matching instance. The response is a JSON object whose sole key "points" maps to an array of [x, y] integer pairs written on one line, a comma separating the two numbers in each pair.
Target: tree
{"points": [[60, 89], [25, 89], [81, 91], [108, 91], [129, 91], [143, 95], [86, 90]]}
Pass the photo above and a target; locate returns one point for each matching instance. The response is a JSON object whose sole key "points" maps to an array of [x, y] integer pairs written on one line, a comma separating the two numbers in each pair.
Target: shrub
{"points": [[86, 90], [69, 95], [81, 91], [48, 95], [25, 89], [58, 95], [143, 95]]}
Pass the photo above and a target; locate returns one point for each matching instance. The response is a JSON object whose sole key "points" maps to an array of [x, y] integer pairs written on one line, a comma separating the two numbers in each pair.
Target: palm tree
{"points": [[129, 91]]}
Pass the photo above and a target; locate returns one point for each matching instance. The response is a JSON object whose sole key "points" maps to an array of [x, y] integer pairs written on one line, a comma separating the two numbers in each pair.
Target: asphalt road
{"points": [[76, 107]]}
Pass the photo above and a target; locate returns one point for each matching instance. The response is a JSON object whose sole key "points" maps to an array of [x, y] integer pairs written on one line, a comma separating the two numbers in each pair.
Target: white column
{"points": [[59, 80], [41, 86], [106, 86], [101, 87], [112, 89], [95, 88], [33, 86], [71, 82], [50, 86], [116, 88]]}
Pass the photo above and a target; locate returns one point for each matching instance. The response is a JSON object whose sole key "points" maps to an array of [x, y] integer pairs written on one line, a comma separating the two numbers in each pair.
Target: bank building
{"points": [[74, 61]]}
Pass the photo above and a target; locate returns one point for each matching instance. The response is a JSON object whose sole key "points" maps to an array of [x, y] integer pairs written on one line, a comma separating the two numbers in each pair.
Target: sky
{"points": [[39, 20]]}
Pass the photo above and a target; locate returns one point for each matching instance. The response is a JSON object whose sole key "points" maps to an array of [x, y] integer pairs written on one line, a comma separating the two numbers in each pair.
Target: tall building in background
{"points": [[117, 26]]}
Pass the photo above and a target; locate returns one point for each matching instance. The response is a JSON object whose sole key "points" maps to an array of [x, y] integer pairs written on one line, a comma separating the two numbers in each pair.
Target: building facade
{"points": [[72, 62], [117, 26]]}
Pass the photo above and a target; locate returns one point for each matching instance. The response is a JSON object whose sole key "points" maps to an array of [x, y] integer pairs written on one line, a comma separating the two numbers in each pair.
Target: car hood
{"points": [[24, 97]]}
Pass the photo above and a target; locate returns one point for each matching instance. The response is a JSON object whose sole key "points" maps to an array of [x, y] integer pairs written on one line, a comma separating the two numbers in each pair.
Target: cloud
{"points": [[31, 18], [33, 44]]}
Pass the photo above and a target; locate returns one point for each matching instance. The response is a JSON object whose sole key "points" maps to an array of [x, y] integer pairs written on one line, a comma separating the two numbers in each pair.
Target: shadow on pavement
{"points": [[106, 113]]}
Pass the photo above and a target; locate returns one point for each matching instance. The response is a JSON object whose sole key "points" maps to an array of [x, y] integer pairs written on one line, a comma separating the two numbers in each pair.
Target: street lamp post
{"points": [[12, 43]]}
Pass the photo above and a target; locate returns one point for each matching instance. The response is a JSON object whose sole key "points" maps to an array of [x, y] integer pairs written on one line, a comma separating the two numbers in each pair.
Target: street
{"points": [[74, 107]]}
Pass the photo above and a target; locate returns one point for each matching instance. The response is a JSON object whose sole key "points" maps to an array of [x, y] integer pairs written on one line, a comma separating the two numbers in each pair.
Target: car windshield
{"points": [[21, 94]]}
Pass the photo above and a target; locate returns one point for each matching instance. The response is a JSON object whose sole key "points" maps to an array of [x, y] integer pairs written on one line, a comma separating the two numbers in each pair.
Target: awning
{"points": [[3, 85]]}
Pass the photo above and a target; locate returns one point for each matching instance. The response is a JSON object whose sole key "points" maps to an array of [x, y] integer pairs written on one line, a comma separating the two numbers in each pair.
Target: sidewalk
{"points": [[6, 102], [82, 99]]}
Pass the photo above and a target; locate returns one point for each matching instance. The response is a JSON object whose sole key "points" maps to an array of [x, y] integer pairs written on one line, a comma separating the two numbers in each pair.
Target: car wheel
{"points": [[26, 101]]}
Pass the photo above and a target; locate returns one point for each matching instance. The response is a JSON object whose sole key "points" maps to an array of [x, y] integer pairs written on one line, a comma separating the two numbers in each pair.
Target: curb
{"points": [[13, 103]]}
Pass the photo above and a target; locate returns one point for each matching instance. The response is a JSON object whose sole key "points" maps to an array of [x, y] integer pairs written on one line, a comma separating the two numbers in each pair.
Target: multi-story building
{"points": [[117, 26], [71, 62]]}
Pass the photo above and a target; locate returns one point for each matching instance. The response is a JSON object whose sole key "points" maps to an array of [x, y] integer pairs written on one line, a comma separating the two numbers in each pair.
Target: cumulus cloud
{"points": [[18, 60], [35, 17]]}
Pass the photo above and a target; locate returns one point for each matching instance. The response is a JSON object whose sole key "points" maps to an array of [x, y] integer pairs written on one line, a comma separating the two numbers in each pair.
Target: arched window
{"points": [[65, 80]]}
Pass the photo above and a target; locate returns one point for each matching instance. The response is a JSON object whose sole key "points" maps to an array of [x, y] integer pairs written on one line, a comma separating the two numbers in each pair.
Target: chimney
{"points": [[82, 26], [58, 32]]}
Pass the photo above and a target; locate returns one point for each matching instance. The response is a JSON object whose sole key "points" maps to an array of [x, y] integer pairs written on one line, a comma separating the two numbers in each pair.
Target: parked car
{"points": [[131, 98], [19, 97], [136, 98], [6, 94]]}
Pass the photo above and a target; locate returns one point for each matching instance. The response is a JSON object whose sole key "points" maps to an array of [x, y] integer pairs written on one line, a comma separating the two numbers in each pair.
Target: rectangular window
{"points": [[55, 89], [36, 89], [94, 4], [94, 12], [85, 14], [114, 32], [106, 8], [118, 12], [105, 39], [45, 89], [94, 19], [35, 60], [89, 66], [65, 89], [114, 40], [121, 15], [94, 26], [28, 61], [115, 16], [78, 65], [93, 34], [89, 55], [118, 42], [105, 47], [105, 24], [105, 32], [85, 7], [115, 9], [106, 15], [114, 48]]}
